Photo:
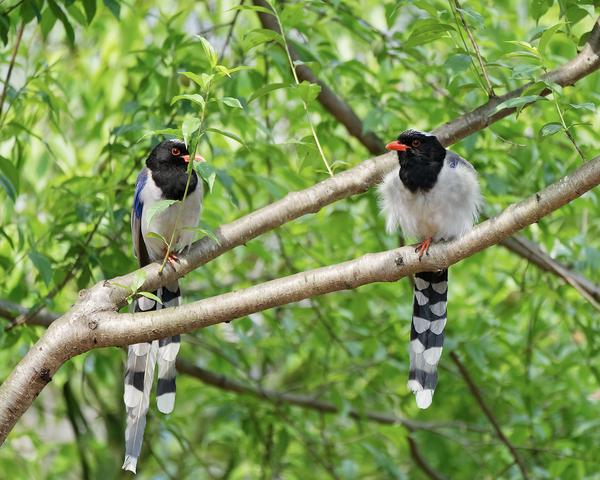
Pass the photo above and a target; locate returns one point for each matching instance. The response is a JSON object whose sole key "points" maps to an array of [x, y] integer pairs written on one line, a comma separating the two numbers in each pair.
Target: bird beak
{"points": [[197, 157], [396, 145]]}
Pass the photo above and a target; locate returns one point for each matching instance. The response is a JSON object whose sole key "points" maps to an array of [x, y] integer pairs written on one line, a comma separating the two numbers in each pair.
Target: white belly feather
{"points": [[446, 211], [164, 222]]}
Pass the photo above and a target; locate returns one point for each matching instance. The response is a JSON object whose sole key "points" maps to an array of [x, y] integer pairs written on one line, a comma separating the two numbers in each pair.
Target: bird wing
{"points": [[139, 247]]}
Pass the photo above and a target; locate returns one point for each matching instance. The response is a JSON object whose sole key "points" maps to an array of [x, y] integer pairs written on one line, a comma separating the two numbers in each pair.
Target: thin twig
{"points": [[476, 48], [295, 74], [566, 129], [420, 460], [10, 68], [58, 287], [489, 414], [225, 383], [230, 32]]}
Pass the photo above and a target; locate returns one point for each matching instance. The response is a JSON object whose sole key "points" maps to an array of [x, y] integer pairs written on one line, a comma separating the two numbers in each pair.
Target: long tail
{"points": [[167, 354], [427, 333], [139, 375]]}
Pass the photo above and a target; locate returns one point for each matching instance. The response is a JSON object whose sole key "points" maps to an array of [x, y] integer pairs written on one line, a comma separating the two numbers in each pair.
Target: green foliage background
{"points": [[93, 80]]}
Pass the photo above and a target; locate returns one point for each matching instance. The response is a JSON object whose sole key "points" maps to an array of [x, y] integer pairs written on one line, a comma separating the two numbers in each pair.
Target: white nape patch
{"points": [[166, 402], [414, 386], [169, 352], [421, 284], [438, 309], [416, 346], [432, 355], [424, 398], [440, 287], [437, 326], [421, 299], [421, 324], [132, 396], [140, 349], [146, 304]]}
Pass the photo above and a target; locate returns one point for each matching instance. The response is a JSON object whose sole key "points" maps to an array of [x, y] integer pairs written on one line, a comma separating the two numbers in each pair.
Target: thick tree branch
{"points": [[93, 321], [566, 75], [10, 311]]}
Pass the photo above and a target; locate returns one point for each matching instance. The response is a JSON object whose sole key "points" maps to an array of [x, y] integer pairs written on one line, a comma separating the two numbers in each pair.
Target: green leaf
{"points": [[205, 230], [43, 265], [266, 89], [139, 277], [151, 296], [547, 35], [193, 97], [9, 178], [550, 129], [209, 52], [175, 132], [114, 6], [190, 126], [261, 35], [231, 102], [201, 80], [157, 236], [207, 173], [4, 27], [308, 91], [90, 9], [583, 106], [227, 134], [528, 47], [426, 31], [518, 102], [158, 207], [58, 12]]}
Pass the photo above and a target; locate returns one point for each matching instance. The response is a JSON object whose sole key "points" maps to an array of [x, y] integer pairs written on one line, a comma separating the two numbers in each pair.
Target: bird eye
{"points": [[175, 152], [416, 142]]}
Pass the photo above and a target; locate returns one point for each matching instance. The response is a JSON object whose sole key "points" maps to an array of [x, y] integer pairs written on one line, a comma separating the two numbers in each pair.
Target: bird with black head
{"points": [[165, 177], [432, 195]]}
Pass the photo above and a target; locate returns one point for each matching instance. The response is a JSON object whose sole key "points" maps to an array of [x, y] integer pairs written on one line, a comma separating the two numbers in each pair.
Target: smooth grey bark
{"points": [[94, 321]]}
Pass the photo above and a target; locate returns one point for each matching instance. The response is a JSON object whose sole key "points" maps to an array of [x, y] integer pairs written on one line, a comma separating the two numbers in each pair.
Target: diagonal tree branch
{"points": [[10, 311], [94, 322], [345, 115]]}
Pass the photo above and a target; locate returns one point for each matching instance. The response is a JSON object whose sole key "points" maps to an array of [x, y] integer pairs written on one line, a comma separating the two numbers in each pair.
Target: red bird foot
{"points": [[173, 258], [423, 247]]}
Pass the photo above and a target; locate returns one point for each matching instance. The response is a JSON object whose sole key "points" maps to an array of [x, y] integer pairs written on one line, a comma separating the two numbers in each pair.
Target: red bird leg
{"points": [[423, 247], [173, 258]]}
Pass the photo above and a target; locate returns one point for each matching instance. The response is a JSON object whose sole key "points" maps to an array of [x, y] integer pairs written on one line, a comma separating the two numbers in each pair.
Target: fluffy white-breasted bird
{"points": [[433, 195], [164, 177]]}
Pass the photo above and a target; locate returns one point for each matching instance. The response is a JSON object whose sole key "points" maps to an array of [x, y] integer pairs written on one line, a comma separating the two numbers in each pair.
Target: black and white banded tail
{"points": [[139, 376], [427, 333]]}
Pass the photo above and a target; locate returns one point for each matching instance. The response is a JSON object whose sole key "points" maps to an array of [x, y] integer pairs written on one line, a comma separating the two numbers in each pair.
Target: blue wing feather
{"points": [[138, 205], [139, 248]]}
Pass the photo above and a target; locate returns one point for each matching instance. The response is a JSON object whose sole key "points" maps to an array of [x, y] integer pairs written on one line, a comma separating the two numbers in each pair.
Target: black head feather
{"points": [[169, 169], [422, 161]]}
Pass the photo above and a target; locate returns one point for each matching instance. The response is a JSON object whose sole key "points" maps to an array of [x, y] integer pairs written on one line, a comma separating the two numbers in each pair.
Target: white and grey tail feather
{"points": [[168, 348], [139, 375], [427, 334]]}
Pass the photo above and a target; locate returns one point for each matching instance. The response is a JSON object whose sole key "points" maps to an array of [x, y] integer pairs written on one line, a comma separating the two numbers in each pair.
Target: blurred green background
{"points": [[92, 83]]}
